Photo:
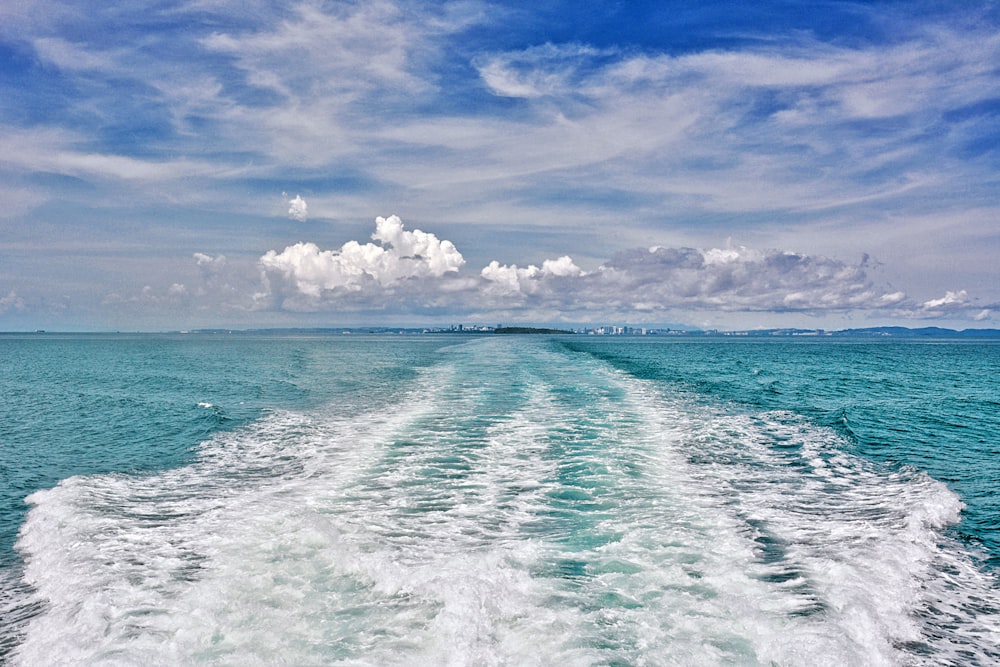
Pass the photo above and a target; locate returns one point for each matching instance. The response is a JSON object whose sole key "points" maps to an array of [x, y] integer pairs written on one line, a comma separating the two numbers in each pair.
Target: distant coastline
{"points": [[867, 332]]}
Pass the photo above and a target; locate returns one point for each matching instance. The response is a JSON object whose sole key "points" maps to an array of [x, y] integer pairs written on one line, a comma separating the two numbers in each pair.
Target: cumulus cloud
{"points": [[952, 304], [420, 270], [721, 279], [365, 92], [949, 300], [742, 279], [297, 208], [208, 262], [225, 285], [213, 269], [397, 256], [512, 280]]}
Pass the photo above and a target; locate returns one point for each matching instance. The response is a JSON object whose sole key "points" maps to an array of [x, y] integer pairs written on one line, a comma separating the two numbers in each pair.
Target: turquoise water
{"points": [[931, 405], [263, 499]]}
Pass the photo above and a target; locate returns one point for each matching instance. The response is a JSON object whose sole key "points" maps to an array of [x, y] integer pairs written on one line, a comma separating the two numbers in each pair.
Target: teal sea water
{"points": [[490, 500]]}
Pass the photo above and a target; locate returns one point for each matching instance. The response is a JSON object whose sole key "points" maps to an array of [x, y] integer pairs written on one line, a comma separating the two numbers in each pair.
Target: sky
{"points": [[732, 165]]}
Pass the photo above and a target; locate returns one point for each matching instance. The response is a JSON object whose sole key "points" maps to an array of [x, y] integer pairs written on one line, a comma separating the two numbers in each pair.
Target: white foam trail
{"points": [[853, 554], [520, 507], [149, 570]]}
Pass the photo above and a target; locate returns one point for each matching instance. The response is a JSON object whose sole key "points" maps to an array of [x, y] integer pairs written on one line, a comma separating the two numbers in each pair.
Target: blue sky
{"points": [[169, 165]]}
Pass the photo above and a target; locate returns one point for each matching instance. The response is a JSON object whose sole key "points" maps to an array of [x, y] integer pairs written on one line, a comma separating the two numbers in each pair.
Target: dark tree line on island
{"points": [[529, 330]]}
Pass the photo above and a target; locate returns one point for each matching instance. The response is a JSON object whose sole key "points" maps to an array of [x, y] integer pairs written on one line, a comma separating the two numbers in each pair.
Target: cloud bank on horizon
{"points": [[588, 161], [412, 270]]}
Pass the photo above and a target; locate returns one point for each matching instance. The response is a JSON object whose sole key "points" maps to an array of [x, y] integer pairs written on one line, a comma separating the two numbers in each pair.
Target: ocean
{"points": [[262, 499]]}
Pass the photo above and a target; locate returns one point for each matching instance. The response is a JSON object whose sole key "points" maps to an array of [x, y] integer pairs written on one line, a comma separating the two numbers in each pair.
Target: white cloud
{"points": [[512, 280], [779, 142], [418, 269], [68, 55], [57, 152], [330, 74], [734, 279], [400, 255], [563, 266], [892, 299], [537, 71], [314, 86], [950, 300], [297, 208], [369, 43], [208, 264], [230, 286], [733, 131]]}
